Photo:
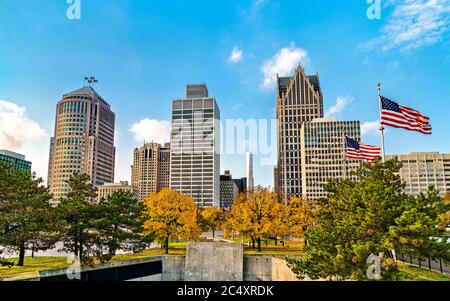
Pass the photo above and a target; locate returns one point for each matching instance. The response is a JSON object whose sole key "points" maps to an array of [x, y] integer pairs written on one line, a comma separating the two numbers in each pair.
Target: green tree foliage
{"points": [[78, 216], [26, 219], [96, 230], [369, 216], [120, 224]]}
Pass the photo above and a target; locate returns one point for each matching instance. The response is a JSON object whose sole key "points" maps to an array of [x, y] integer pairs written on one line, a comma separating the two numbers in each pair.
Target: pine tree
{"points": [[26, 217], [370, 216]]}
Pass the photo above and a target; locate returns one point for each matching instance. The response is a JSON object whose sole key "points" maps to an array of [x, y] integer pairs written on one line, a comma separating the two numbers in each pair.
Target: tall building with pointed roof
{"points": [[299, 100], [83, 140]]}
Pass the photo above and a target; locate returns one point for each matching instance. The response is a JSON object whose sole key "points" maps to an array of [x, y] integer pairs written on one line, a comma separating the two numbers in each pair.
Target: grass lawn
{"points": [[409, 273], [32, 266], [36, 264]]}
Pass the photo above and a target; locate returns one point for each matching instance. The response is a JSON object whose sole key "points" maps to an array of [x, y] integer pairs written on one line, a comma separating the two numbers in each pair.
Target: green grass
{"points": [[33, 266], [410, 273], [289, 248]]}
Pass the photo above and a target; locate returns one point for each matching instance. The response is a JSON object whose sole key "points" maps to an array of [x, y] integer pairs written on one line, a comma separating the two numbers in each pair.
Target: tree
{"points": [[78, 216], [301, 216], [25, 212], [212, 218], [370, 216], [120, 224], [279, 225], [252, 214], [170, 215]]}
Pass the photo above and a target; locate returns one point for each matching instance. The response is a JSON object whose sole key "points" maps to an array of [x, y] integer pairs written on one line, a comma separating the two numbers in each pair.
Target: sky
{"points": [[144, 52]]}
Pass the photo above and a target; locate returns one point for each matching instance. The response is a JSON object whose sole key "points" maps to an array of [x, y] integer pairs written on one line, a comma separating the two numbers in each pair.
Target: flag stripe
{"points": [[398, 116], [356, 150]]}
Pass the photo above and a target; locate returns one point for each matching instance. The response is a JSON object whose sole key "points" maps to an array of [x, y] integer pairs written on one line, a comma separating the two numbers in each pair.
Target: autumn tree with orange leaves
{"points": [[252, 214], [170, 216]]}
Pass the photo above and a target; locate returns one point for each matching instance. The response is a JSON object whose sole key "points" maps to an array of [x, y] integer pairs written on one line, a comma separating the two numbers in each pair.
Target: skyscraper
{"points": [[195, 146], [83, 141], [151, 169], [323, 154], [422, 170], [16, 160], [299, 100], [250, 179]]}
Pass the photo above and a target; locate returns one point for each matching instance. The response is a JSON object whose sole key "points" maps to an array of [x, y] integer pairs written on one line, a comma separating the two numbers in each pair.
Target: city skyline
{"points": [[141, 37]]}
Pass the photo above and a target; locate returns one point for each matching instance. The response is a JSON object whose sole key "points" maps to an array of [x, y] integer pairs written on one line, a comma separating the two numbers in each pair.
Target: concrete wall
{"points": [[214, 261], [173, 268]]}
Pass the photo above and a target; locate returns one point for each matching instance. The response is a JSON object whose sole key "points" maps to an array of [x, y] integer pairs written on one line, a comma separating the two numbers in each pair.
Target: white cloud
{"points": [[339, 107], [151, 130], [413, 24], [283, 63], [370, 128], [236, 55], [18, 133]]}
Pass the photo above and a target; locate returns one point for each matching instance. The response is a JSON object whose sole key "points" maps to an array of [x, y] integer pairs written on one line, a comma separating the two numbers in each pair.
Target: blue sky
{"points": [[144, 52]]}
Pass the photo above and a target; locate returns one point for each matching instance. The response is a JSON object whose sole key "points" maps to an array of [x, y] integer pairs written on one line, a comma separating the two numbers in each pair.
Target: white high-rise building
{"points": [[422, 170], [195, 147], [250, 179], [323, 155]]}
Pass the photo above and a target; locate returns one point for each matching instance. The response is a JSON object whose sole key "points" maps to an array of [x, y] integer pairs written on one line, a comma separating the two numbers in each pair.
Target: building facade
{"points": [[229, 191], [422, 170], [83, 141], [323, 155], [150, 171], [107, 189], [195, 146], [299, 100], [16, 160], [276, 183]]}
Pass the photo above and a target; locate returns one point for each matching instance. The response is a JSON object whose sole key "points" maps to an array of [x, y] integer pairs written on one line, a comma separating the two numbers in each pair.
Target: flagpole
{"points": [[383, 149]]}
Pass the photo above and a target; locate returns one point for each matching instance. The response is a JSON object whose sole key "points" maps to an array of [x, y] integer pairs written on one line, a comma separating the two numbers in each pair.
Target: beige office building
{"points": [[195, 146], [323, 154], [150, 171], [83, 141], [422, 170], [299, 100], [108, 189]]}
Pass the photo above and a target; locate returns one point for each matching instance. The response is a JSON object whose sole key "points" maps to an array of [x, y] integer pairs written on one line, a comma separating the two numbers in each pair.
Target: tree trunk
{"points": [[32, 252], [81, 246], [253, 243], [276, 241], [21, 254], [259, 245], [166, 245], [214, 234]]}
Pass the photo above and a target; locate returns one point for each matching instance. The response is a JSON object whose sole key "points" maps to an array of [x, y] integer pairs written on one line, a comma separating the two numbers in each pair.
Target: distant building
{"points": [[83, 140], [150, 171], [228, 190], [250, 179], [16, 160], [422, 170], [323, 155], [241, 184], [195, 147], [276, 184], [107, 189]]}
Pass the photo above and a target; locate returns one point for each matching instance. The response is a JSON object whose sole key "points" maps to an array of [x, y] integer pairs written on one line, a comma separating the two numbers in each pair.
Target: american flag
{"points": [[398, 116], [357, 150]]}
